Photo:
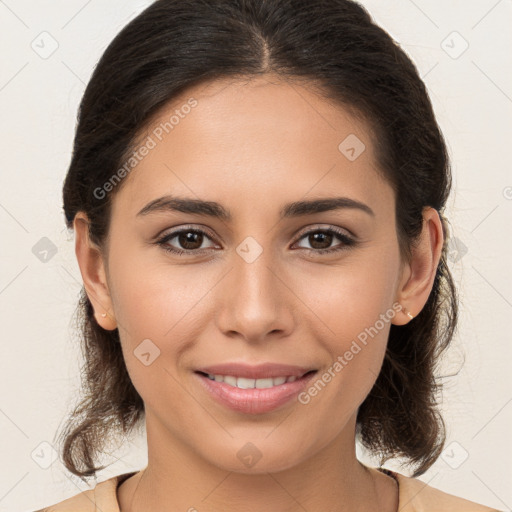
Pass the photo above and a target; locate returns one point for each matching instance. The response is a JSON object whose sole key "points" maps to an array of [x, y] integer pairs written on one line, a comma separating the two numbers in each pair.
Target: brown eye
{"points": [[186, 240], [190, 239], [320, 241]]}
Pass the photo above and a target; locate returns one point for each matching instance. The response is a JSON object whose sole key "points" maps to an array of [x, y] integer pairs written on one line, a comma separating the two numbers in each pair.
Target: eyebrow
{"points": [[213, 209]]}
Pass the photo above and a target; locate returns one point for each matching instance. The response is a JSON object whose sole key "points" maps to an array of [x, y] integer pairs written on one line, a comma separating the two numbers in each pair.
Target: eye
{"points": [[191, 241], [320, 240]]}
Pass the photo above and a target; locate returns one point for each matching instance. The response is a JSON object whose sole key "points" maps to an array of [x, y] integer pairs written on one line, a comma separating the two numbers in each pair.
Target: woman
{"points": [[257, 192]]}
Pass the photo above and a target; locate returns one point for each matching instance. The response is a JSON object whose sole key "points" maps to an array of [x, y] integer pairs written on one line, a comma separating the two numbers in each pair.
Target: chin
{"points": [[256, 457]]}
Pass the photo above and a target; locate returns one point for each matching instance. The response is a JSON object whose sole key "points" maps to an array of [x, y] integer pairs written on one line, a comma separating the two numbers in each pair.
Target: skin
{"points": [[254, 146]]}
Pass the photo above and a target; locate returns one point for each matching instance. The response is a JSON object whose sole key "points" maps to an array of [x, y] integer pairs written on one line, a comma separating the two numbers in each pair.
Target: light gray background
{"points": [[39, 93]]}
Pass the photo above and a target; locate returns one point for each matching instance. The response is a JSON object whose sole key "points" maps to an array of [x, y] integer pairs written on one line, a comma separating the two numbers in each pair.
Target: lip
{"points": [[254, 401], [260, 371]]}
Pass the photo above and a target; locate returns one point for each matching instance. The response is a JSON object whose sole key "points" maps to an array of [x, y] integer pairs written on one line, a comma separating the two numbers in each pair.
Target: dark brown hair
{"points": [[332, 44]]}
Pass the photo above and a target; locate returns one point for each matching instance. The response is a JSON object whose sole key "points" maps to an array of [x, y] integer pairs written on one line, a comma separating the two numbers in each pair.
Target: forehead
{"points": [[232, 140]]}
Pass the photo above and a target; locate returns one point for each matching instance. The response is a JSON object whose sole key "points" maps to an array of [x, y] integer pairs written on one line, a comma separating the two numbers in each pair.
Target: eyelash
{"points": [[347, 241]]}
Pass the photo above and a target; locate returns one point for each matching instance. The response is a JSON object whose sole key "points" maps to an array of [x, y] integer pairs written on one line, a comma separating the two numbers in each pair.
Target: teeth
{"points": [[244, 383], [228, 379]]}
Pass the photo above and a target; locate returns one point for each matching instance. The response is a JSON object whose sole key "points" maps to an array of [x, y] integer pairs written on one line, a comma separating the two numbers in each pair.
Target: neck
{"points": [[177, 479]]}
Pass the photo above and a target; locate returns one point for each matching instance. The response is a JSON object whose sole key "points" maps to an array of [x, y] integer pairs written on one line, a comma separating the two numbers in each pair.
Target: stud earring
{"points": [[408, 314], [103, 315]]}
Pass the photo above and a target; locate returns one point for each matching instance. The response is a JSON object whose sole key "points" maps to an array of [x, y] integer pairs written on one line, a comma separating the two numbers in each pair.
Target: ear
{"points": [[419, 273], [92, 267]]}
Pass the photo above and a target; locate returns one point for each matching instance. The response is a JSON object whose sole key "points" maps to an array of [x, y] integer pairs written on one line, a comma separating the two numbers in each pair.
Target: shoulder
{"points": [[102, 497], [83, 502], [417, 496]]}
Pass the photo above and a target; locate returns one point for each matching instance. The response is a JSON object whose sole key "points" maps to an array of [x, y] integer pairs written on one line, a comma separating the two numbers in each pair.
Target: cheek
{"points": [[355, 302], [158, 309], [152, 297], [350, 296]]}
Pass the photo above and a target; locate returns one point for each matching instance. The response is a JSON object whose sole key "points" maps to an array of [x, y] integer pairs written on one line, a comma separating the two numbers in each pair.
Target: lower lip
{"points": [[254, 401]]}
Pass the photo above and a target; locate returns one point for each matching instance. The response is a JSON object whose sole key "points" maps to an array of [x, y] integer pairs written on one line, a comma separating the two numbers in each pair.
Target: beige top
{"points": [[414, 496]]}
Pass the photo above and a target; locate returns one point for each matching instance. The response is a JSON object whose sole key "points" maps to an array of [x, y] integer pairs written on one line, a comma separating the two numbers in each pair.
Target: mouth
{"points": [[254, 395], [255, 383]]}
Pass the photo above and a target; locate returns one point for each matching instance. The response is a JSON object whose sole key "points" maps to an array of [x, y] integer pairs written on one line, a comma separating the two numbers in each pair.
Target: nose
{"points": [[254, 301]]}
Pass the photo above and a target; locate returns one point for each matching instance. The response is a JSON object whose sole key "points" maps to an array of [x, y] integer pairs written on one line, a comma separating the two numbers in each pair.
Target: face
{"points": [[314, 288]]}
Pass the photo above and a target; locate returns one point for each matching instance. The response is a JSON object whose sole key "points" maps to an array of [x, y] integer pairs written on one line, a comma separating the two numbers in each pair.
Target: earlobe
{"points": [[415, 288], [92, 268]]}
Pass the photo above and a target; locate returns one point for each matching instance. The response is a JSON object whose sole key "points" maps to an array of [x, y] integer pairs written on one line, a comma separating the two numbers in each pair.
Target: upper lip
{"points": [[259, 371]]}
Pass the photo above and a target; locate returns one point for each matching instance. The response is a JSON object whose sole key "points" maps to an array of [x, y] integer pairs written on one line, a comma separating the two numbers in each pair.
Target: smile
{"points": [[253, 395], [245, 383]]}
